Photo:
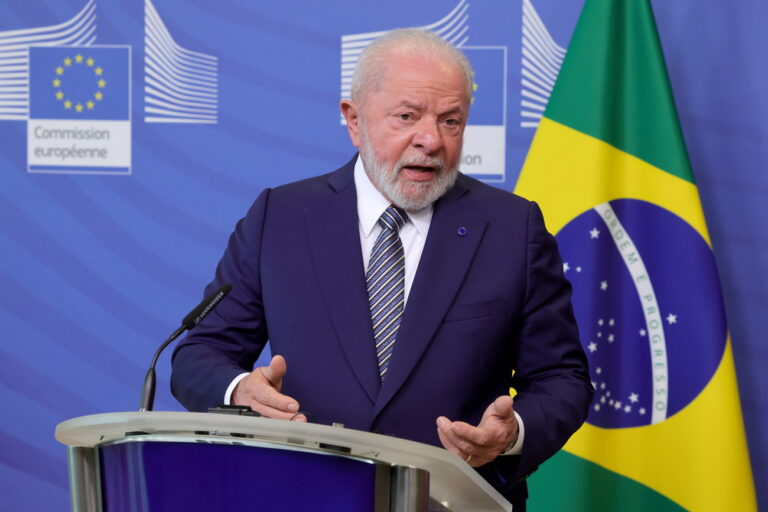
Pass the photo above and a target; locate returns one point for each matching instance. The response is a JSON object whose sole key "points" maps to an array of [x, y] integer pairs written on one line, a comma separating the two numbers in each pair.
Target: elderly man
{"points": [[401, 296]]}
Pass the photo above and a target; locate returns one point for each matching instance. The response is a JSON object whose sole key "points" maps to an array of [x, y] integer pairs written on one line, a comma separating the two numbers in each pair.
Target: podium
{"points": [[166, 461]]}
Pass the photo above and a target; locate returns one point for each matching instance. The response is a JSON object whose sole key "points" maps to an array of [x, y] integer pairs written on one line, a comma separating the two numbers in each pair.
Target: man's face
{"points": [[410, 131]]}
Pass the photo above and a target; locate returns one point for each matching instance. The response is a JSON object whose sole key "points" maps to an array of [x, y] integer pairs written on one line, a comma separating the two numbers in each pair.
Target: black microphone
{"points": [[191, 320]]}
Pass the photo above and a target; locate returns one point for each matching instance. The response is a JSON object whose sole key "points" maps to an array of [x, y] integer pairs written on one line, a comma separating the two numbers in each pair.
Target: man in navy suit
{"points": [[479, 303]]}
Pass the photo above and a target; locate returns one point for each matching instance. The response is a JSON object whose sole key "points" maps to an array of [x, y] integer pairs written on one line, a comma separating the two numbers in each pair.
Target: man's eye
{"points": [[405, 117], [451, 121]]}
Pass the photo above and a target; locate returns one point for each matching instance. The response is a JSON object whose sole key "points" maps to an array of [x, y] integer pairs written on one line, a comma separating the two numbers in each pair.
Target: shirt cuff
{"points": [[517, 447], [236, 380]]}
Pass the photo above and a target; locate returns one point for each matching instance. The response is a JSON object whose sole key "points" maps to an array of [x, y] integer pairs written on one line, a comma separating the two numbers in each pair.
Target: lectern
{"points": [[167, 461]]}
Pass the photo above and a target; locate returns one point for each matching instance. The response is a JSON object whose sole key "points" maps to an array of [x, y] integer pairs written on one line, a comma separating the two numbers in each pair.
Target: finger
{"points": [[271, 412], [461, 443], [275, 372], [479, 455], [443, 429], [466, 434], [266, 395]]}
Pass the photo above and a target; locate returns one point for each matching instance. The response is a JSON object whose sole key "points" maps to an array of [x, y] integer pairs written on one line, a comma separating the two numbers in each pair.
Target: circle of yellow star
{"points": [[90, 104]]}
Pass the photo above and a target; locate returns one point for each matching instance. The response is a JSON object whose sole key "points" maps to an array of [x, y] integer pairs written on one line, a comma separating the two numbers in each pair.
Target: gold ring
{"points": [[469, 457]]}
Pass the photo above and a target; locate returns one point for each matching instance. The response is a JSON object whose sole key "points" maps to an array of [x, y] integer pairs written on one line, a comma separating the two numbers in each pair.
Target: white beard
{"points": [[411, 196]]}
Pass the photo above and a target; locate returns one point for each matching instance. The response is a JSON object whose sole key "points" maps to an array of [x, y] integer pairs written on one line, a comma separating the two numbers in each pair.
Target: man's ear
{"points": [[351, 113]]}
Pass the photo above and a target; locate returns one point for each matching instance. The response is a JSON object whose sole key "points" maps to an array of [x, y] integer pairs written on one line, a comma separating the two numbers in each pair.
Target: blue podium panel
{"points": [[149, 475]]}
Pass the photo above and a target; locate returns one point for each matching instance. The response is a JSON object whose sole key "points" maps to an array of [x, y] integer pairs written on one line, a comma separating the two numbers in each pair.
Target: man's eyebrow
{"points": [[420, 106], [411, 104], [454, 110]]}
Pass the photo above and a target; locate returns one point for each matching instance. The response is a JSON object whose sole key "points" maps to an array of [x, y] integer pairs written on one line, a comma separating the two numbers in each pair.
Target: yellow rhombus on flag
{"points": [[609, 168]]}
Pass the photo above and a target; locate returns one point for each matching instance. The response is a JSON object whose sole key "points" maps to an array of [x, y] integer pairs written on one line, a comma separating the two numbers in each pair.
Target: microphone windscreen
{"points": [[206, 306]]}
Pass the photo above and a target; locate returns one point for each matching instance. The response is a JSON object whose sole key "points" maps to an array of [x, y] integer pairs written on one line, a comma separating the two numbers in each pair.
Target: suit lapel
{"points": [[334, 240], [446, 258]]}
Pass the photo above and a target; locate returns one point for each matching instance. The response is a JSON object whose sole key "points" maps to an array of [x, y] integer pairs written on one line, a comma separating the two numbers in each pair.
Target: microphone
{"points": [[190, 321]]}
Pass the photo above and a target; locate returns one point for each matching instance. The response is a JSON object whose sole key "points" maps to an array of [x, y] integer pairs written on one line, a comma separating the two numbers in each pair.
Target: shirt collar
{"points": [[371, 204]]}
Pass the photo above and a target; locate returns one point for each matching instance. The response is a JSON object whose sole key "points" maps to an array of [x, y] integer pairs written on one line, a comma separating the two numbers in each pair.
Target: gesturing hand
{"points": [[481, 444], [261, 391]]}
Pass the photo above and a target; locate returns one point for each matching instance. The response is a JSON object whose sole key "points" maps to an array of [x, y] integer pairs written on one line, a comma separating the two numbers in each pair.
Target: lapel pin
{"points": [[462, 231]]}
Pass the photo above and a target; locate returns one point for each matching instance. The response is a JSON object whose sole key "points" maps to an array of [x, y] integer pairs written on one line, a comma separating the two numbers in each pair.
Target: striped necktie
{"points": [[386, 284]]}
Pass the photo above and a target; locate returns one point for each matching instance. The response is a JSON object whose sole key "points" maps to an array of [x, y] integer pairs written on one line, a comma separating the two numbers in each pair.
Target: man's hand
{"points": [[481, 444], [261, 391]]}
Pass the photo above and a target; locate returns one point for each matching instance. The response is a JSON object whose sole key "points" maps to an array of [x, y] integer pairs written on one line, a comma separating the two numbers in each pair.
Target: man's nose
{"points": [[427, 136]]}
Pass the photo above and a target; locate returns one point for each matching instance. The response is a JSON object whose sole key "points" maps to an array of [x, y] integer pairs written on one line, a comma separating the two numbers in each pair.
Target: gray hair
{"points": [[371, 66]]}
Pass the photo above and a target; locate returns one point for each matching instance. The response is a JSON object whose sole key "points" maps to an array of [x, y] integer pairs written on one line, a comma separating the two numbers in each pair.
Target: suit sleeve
{"points": [[554, 390], [229, 340]]}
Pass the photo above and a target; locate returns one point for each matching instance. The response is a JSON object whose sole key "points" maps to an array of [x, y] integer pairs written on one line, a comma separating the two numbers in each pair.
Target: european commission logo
{"points": [[79, 110], [76, 96]]}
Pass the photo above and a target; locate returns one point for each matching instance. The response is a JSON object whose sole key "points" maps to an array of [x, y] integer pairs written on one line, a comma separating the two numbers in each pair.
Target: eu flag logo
{"points": [[79, 83], [79, 110]]}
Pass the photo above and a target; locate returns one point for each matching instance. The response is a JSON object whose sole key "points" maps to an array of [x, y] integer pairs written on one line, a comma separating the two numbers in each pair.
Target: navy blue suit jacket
{"points": [[489, 298]]}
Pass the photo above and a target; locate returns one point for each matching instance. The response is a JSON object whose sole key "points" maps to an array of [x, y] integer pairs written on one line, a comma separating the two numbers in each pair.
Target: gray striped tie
{"points": [[386, 284]]}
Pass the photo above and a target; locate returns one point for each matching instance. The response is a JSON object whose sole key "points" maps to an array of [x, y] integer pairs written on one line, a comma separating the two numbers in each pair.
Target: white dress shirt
{"points": [[370, 206]]}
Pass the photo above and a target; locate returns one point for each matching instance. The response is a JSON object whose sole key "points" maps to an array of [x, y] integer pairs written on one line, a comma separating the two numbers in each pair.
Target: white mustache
{"points": [[435, 162]]}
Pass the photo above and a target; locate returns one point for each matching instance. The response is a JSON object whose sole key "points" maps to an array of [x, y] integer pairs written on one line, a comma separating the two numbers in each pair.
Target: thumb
{"points": [[276, 371], [501, 408]]}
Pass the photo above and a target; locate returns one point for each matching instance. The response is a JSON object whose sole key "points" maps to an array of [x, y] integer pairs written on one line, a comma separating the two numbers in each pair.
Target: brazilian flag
{"points": [[609, 168]]}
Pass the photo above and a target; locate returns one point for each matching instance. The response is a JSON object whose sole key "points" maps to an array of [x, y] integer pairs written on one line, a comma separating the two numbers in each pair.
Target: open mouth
{"points": [[419, 168], [418, 172]]}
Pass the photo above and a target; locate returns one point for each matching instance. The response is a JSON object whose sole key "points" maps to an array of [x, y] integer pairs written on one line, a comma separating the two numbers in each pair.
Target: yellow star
{"points": [[67, 104], [98, 71], [59, 70], [78, 58], [59, 95], [102, 83], [474, 86], [67, 61], [98, 95], [56, 82], [79, 107], [90, 61], [90, 104]]}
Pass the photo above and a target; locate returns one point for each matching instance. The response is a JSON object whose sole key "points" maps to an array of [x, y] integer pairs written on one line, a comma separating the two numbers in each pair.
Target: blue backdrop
{"points": [[107, 240]]}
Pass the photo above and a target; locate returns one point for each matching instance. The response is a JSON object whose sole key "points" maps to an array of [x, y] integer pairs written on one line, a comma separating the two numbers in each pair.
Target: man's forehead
{"points": [[415, 74]]}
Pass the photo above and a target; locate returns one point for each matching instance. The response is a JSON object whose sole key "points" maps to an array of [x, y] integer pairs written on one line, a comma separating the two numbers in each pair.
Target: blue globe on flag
{"points": [[652, 328]]}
